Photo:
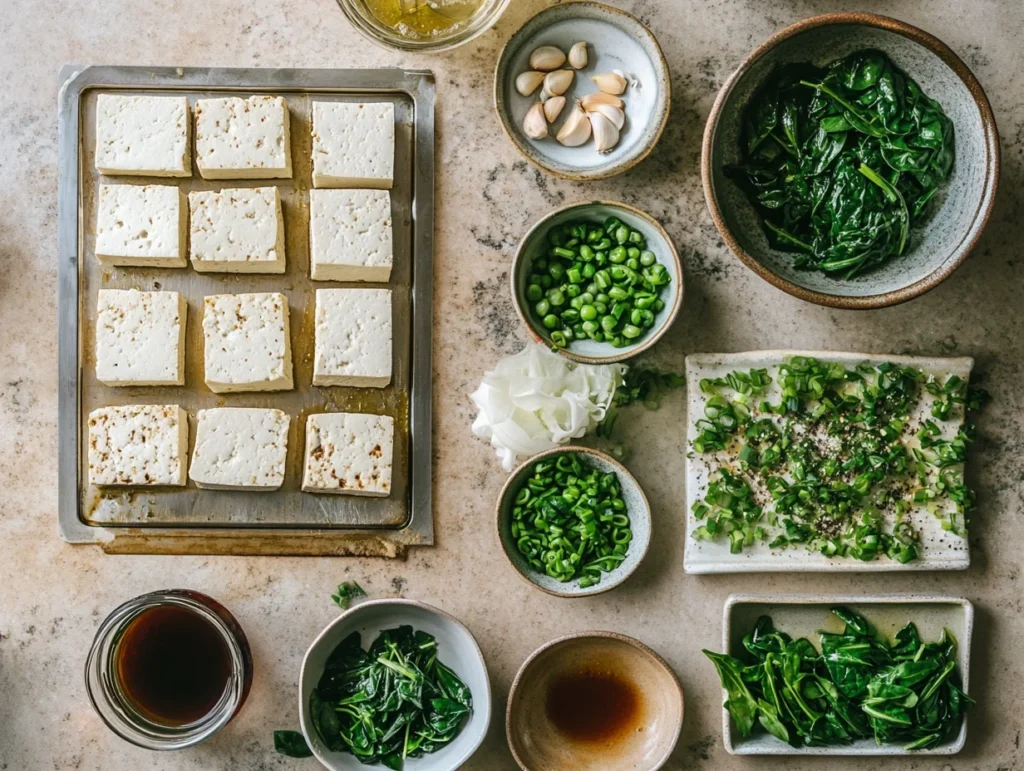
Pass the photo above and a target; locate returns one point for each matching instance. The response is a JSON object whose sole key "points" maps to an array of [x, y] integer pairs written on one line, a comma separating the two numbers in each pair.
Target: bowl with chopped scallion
{"points": [[598, 282], [573, 522]]}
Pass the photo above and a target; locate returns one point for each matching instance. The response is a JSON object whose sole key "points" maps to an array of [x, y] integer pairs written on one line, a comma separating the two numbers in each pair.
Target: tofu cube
{"points": [[138, 444], [247, 343], [143, 135], [140, 338], [353, 338], [240, 449], [237, 231], [349, 453], [142, 226], [243, 138], [353, 144], [350, 235]]}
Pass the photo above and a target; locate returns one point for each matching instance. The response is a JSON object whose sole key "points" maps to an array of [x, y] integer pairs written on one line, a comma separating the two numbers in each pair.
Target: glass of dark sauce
{"points": [[168, 669]]}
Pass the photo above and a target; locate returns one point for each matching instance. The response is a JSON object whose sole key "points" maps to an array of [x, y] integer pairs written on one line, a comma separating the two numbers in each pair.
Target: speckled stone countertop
{"points": [[53, 596]]}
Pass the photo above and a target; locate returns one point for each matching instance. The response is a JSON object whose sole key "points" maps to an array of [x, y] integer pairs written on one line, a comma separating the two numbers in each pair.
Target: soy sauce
{"points": [[594, 705], [172, 665]]}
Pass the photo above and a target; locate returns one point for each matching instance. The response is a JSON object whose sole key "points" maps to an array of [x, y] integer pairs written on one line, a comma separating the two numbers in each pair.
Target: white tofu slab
{"points": [[243, 138], [349, 453], [237, 231], [247, 343], [143, 135], [353, 144], [350, 235], [353, 338], [240, 449], [139, 444], [140, 338], [142, 226], [939, 549]]}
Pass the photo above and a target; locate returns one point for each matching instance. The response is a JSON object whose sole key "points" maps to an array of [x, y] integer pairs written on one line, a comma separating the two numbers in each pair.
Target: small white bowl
{"points": [[456, 648]]}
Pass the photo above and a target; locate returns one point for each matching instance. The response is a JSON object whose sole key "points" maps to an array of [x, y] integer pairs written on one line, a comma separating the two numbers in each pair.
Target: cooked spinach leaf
{"points": [[291, 743], [860, 686], [347, 591], [842, 162]]}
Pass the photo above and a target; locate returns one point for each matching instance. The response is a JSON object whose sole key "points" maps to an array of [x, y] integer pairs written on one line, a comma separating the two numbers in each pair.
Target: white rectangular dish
{"points": [[805, 615], [940, 549]]}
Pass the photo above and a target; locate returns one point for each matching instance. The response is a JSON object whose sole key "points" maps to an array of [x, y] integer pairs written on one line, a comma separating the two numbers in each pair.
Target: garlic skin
{"points": [[557, 83], [590, 101], [610, 83], [612, 113], [606, 136], [553, 108], [528, 82], [576, 130], [535, 124], [547, 58], [578, 58]]}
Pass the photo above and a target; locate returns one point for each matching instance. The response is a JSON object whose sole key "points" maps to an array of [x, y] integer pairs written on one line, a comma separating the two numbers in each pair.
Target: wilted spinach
{"points": [[393, 702], [841, 162], [860, 686]]}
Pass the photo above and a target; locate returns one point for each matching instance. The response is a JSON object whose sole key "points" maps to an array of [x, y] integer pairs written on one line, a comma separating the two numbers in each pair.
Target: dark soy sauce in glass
{"points": [[594, 705], [172, 665]]}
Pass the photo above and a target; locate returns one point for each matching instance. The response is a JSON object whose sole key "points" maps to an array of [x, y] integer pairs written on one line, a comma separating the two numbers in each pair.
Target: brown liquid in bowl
{"points": [[594, 705]]}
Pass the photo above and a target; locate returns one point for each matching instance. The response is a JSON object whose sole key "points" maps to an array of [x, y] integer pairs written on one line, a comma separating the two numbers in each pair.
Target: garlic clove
{"points": [[528, 82], [535, 124], [592, 100], [578, 58], [612, 113], [557, 83], [606, 135], [576, 130], [546, 58], [610, 83], [553, 108]]}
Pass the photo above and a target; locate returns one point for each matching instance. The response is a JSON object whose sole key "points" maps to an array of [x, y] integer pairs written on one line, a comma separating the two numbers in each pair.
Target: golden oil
{"points": [[423, 18]]}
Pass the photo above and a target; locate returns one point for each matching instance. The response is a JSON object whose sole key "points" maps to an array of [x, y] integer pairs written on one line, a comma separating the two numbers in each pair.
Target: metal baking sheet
{"points": [[148, 519]]}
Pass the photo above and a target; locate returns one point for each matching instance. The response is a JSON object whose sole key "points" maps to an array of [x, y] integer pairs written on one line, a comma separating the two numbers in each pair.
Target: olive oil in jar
{"points": [[424, 18]]}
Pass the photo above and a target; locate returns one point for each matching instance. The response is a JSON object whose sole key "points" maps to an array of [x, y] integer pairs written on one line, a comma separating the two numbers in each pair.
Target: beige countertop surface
{"points": [[53, 596]]}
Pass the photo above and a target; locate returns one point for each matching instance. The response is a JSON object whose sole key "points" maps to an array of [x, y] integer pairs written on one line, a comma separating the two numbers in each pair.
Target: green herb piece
{"points": [[291, 743], [842, 162], [860, 686], [392, 702], [570, 521], [641, 383], [347, 591]]}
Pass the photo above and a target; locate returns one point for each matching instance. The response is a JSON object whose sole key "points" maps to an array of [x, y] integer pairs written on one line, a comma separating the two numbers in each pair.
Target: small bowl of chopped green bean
{"points": [[573, 522], [598, 282]]}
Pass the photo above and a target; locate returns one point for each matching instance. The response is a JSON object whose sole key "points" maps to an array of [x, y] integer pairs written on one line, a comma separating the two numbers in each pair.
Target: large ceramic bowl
{"points": [[637, 507], [963, 206], [535, 244], [645, 742], [455, 647]]}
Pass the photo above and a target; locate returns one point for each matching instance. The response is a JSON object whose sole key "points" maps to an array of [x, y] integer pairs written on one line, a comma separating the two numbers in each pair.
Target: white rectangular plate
{"points": [[805, 615], [940, 549]]}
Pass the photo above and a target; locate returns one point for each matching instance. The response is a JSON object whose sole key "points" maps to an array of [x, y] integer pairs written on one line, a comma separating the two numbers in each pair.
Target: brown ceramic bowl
{"points": [[961, 210], [642, 741]]}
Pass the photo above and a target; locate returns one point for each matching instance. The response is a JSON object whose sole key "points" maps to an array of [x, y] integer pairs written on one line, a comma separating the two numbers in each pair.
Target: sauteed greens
{"points": [[860, 686], [841, 162]]}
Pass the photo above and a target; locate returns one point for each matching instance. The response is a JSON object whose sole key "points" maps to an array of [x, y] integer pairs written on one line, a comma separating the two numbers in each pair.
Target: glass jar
{"points": [[363, 19], [109, 698]]}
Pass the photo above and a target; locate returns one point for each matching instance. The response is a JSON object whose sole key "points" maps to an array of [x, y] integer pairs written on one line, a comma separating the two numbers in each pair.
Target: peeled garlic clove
{"points": [[578, 56], [535, 124], [553, 108], [528, 82], [576, 130], [557, 83], [590, 101], [606, 136], [612, 113], [610, 83], [546, 58]]}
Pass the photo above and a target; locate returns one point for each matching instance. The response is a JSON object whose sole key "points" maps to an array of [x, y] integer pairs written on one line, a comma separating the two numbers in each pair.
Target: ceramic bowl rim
{"points": [[404, 602], [982, 213], [673, 678], [600, 172], [621, 470], [617, 355]]}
